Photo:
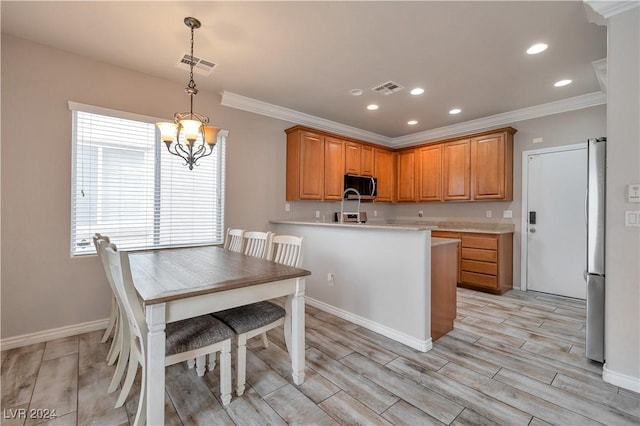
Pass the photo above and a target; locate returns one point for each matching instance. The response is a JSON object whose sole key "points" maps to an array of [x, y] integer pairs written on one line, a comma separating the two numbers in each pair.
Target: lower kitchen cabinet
{"points": [[485, 261]]}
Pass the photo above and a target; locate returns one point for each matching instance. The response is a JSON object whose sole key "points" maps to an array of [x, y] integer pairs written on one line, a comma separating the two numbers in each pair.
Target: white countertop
{"points": [[369, 225], [411, 226]]}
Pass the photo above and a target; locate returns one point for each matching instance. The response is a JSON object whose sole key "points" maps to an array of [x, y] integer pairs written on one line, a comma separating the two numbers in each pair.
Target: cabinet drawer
{"points": [[479, 254], [481, 267], [490, 243], [479, 279]]}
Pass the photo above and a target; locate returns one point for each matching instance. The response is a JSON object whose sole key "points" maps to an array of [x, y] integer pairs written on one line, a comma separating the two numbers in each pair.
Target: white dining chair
{"points": [[234, 240], [187, 339], [257, 318], [113, 314], [257, 244], [119, 344]]}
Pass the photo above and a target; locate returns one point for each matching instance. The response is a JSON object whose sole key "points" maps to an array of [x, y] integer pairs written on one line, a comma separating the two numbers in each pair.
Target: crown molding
{"points": [[263, 108], [610, 8], [244, 103], [485, 123]]}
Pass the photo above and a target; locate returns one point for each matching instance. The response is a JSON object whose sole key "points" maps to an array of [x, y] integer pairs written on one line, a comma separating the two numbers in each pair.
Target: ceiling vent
{"points": [[388, 88], [200, 66]]}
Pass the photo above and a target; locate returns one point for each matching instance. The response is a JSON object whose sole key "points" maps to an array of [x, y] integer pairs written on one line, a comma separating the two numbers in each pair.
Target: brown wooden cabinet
{"points": [[384, 170], [455, 236], [492, 166], [443, 289], [334, 160], [486, 262], [406, 176], [353, 158], [457, 170], [430, 173], [367, 166], [305, 165]]}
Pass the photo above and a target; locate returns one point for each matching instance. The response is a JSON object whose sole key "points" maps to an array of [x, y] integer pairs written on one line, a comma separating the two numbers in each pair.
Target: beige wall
{"points": [[622, 309], [42, 286]]}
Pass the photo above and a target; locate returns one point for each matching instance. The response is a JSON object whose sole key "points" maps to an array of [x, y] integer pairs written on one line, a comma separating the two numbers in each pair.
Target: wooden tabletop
{"points": [[163, 275]]}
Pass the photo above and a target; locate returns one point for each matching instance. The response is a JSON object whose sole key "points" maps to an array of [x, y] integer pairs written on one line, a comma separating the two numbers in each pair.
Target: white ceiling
{"points": [[307, 56]]}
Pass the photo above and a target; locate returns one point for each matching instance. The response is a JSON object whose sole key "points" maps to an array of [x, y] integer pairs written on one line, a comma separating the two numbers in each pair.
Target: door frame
{"points": [[524, 252]]}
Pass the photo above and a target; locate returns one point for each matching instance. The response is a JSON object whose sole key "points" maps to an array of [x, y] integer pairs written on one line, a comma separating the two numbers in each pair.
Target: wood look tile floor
{"points": [[516, 359]]}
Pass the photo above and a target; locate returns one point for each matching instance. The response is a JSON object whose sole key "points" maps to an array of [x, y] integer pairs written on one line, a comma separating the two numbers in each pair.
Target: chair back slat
{"points": [[258, 244], [234, 240], [118, 272], [287, 250]]}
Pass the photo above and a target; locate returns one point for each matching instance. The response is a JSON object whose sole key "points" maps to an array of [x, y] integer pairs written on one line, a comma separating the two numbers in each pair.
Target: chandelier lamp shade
{"points": [[189, 136]]}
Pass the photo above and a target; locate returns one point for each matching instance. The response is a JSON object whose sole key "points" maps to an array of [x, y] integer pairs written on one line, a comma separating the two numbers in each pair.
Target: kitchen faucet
{"points": [[346, 191]]}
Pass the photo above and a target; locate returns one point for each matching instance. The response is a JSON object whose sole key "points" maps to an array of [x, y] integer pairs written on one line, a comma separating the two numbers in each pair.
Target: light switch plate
{"points": [[632, 218], [633, 193], [507, 214]]}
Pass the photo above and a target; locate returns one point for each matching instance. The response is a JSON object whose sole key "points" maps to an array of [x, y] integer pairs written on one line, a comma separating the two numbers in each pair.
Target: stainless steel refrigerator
{"points": [[595, 273]]}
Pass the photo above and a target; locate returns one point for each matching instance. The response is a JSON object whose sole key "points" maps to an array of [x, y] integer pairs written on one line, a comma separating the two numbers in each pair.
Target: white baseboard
{"points": [[52, 334], [405, 339], [618, 379]]}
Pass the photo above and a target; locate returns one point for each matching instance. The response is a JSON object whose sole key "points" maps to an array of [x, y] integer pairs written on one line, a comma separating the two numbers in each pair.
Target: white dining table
{"points": [[176, 284]]}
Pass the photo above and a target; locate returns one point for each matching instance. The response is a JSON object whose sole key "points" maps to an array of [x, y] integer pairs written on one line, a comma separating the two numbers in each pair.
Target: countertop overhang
{"points": [[478, 228]]}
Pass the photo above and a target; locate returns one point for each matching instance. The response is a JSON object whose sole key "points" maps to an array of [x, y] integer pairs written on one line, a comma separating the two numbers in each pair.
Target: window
{"points": [[127, 186]]}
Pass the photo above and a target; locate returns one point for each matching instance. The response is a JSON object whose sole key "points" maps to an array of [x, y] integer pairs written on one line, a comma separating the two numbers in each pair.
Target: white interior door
{"points": [[556, 243]]}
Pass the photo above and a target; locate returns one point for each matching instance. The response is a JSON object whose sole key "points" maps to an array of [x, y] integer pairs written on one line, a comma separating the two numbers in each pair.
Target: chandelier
{"points": [[181, 137]]}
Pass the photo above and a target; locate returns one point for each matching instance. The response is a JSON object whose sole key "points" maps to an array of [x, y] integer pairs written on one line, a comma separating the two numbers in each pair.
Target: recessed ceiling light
{"points": [[537, 48], [455, 111], [412, 122], [417, 91], [356, 92], [372, 107], [562, 83]]}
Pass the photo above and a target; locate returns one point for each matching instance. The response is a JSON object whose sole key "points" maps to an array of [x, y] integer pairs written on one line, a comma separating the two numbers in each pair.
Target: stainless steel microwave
{"points": [[366, 186]]}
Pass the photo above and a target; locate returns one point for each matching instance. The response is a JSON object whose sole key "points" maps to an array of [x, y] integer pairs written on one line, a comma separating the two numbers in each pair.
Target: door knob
{"points": [[532, 230]]}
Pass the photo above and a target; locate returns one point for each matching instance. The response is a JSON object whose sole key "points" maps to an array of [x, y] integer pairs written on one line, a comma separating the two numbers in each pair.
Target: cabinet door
{"points": [[407, 176], [490, 174], [367, 161], [430, 173], [334, 156], [353, 153], [311, 166], [385, 172], [457, 170]]}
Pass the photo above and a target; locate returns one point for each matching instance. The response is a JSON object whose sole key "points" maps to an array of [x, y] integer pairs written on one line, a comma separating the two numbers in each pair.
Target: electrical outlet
{"points": [[375, 213], [317, 214], [420, 213], [489, 213], [287, 207], [330, 279]]}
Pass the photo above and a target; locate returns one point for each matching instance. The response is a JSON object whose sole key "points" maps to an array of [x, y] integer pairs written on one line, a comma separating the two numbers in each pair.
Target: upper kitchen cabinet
{"points": [[430, 173], [367, 161], [492, 166], [406, 175], [384, 170], [353, 158], [305, 165], [457, 170], [334, 166], [359, 159]]}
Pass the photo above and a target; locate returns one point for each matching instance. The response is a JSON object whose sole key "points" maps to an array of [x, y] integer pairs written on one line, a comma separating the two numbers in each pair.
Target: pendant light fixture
{"points": [[182, 135]]}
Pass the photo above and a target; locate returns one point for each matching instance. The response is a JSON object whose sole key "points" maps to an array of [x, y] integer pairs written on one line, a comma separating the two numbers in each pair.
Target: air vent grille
{"points": [[388, 88], [200, 66]]}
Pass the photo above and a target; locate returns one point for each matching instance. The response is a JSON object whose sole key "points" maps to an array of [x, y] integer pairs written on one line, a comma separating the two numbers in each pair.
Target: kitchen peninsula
{"points": [[378, 276]]}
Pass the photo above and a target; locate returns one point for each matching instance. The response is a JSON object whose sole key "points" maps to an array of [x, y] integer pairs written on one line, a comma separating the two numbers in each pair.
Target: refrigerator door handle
{"points": [[586, 206]]}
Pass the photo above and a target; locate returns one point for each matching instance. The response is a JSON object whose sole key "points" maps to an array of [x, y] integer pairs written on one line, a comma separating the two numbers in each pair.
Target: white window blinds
{"points": [[127, 186]]}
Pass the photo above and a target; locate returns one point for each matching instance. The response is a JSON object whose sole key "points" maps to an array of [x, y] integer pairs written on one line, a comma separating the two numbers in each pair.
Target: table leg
{"points": [[297, 332], [155, 363]]}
